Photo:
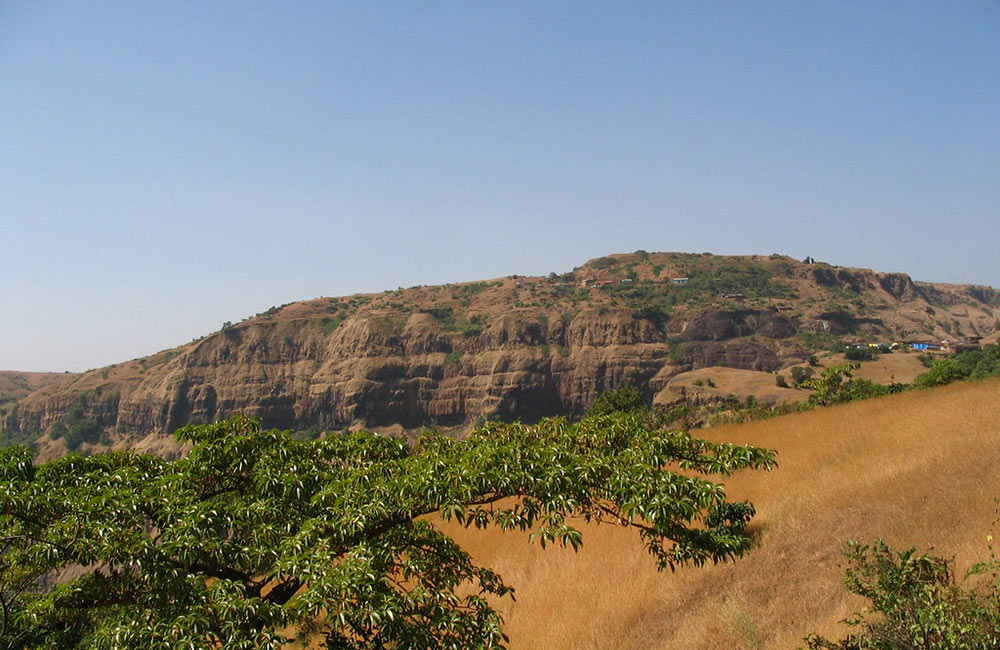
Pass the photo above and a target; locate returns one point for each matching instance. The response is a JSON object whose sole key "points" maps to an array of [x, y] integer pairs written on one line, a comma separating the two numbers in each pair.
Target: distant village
{"points": [[924, 345]]}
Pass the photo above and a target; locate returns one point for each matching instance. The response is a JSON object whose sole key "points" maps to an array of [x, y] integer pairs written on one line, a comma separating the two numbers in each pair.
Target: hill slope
{"points": [[516, 347], [16, 385], [917, 469]]}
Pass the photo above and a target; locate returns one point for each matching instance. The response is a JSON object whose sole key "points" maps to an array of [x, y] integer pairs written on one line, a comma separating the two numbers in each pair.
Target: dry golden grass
{"points": [[727, 381], [694, 385], [15, 385], [917, 469], [898, 366]]}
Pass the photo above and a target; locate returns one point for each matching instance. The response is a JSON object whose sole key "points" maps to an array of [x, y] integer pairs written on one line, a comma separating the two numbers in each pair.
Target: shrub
{"points": [[943, 371], [676, 348], [836, 386], [861, 354], [858, 389], [968, 364], [916, 603], [474, 326], [623, 400], [658, 316], [800, 374], [75, 429], [330, 324], [446, 315]]}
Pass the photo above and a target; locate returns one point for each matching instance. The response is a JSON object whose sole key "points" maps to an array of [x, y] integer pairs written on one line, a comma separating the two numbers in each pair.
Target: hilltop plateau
{"points": [[513, 347], [15, 385]]}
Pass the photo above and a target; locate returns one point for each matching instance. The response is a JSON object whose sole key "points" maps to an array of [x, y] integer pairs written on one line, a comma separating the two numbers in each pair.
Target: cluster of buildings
{"points": [[967, 343], [925, 345]]}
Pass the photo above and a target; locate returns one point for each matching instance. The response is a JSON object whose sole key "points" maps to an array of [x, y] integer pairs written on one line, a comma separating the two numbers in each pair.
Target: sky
{"points": [[166, 167]]}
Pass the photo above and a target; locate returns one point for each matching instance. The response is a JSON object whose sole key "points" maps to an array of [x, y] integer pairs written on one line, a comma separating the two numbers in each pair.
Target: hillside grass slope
{"points": [[14, 384], [916, 469]]}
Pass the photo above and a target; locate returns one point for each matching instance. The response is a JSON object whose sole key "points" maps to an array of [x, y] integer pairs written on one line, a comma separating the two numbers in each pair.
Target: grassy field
{"points": [[916, 469]]}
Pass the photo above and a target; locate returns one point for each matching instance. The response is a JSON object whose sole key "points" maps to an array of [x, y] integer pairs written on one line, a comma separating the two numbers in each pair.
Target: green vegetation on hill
{"points": [[837, 385], [967, 364], [623, 400], [75, 429], [13, 439]]}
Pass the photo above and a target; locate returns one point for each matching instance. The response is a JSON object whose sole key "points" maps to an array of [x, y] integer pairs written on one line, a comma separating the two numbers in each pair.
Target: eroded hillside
{"points": [[515, 347]]}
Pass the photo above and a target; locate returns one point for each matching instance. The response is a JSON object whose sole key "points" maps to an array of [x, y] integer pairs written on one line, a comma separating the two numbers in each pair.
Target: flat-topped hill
{"points": [[513, 347]]}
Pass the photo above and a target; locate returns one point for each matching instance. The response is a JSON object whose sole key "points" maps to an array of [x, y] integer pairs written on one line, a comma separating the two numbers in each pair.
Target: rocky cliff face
{"points": [[511, 348]]}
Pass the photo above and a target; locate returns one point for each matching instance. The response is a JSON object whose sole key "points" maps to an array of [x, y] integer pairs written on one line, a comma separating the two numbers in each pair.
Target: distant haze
{"points": [[167, 167]]}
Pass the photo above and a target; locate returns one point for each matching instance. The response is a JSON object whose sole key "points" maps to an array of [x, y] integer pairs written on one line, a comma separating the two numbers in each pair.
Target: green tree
{"points": [[860, 354], [857, 389], [75, 429], [967, 364], [256, 538], [624, 400], [801, 374], [942, 371], [915, 603], [835, 385], [829, 385]]}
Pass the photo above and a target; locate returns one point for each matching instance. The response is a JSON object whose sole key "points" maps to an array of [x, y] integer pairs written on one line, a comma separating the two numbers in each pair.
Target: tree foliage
{"points": [[801, 374], [76, 429], [915, 603], [256, 538], [624, 400], [829, 385], [968, 364], [852, 353], [836, 385]]}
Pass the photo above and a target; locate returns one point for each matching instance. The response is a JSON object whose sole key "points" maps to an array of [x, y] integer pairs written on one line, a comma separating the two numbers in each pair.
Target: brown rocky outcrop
{"points": [[716, 325], [898, 285]]}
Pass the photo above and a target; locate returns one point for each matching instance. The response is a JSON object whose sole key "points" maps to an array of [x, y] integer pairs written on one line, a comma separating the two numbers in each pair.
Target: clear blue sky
{"points": [[168, 166]]}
